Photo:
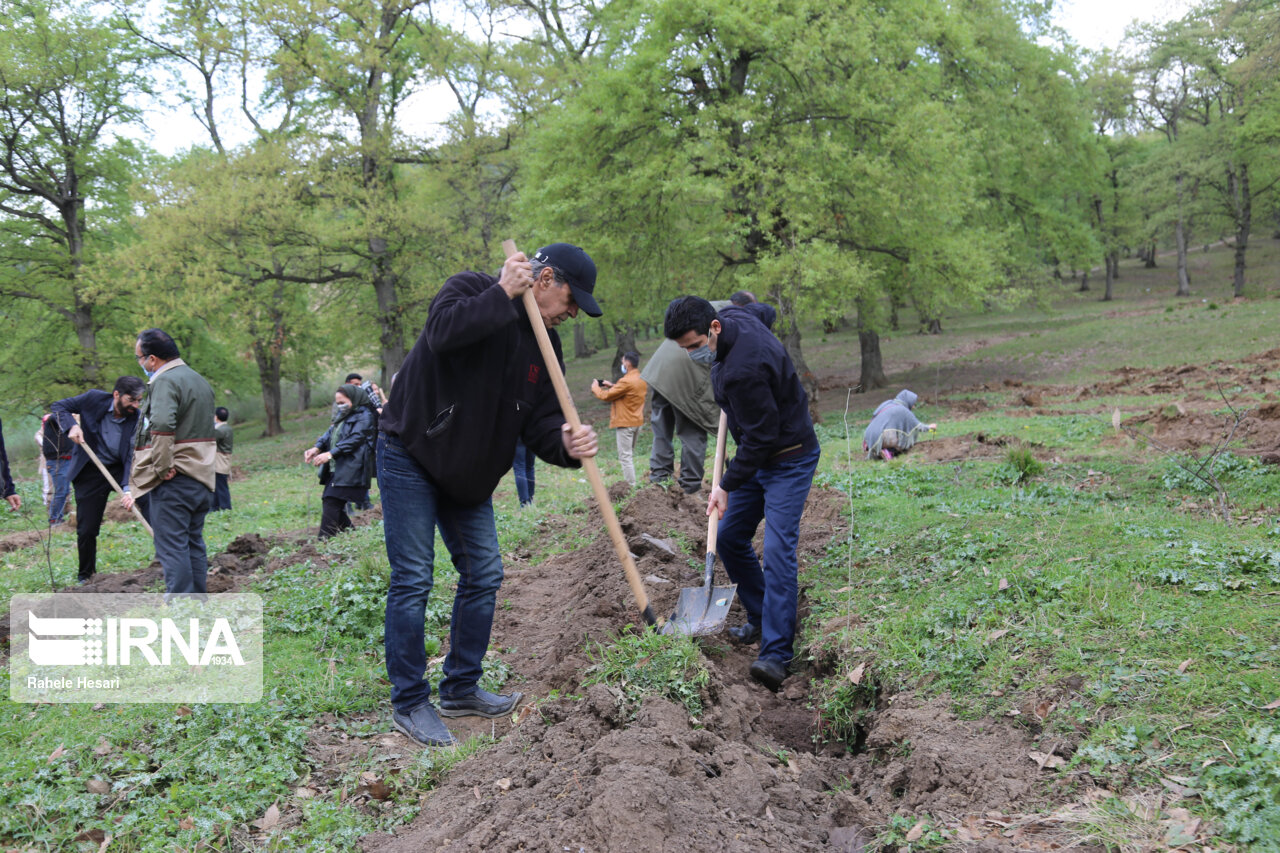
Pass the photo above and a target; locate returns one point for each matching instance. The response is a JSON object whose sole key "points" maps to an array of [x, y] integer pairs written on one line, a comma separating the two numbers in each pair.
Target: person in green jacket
{"points": [[173, 461]]}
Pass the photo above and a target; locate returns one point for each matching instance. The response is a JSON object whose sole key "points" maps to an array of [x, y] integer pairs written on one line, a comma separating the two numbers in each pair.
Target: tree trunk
{"points": [[390, 324], [581, 349], [1113, 264], [1244, 222], [87, 337], [790, 338], [268, 358], [1084, 282], [625, 337], [604, 337], [1180, 239], [1149, 260], [304, 395], [871, 374]]}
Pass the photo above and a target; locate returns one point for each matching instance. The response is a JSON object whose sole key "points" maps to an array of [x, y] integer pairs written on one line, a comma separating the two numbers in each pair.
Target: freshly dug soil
{"points": [[581, 772]]}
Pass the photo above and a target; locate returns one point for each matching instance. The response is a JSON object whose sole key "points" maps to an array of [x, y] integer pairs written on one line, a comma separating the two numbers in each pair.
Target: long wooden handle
{"points": [[713, 523], [115, 485], [588, 464]]}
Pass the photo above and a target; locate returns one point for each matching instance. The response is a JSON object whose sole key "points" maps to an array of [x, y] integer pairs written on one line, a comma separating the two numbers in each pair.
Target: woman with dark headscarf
{"points": [[344, 455]]}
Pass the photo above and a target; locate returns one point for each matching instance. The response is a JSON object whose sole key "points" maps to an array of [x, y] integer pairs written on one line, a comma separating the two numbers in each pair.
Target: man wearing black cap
{"points": [[473, 384]]}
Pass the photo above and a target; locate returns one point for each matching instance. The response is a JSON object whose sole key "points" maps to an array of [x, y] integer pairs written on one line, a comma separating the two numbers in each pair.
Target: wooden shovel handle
{"points": [[112, 480], [589, 464], [717, 470]]}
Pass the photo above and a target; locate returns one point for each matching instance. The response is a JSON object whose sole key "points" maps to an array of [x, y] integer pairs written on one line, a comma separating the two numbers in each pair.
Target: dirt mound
{"points": [[1182, 427], [577, 773], [21, 539], [957, 448]]}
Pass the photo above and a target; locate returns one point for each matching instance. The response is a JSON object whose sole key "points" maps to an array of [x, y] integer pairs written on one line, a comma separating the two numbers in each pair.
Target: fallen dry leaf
{"points": [[269, 820], [1047, 759], [183, 711], [1271, 706], [997, 634], [97, 786], [379, 790], [1182, 667], [503, 784], [1043, 709], [914, 833], [476, 791], [305, 793], [186, 823], [56, 754], [103, 747], [1115, 421], [106, 842], [1004, 584], [855, 675]]}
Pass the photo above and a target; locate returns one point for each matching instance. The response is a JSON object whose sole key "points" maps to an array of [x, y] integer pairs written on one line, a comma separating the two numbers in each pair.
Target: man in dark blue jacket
{"points": [[473, 384], [756, 385], [7, 490], [107, 421]]}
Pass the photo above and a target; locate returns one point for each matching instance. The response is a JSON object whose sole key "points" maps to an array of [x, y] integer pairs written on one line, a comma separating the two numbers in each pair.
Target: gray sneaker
{"points": [[423, 725], [482, 703]]}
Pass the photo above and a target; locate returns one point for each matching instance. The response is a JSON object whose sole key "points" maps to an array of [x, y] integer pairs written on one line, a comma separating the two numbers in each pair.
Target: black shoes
{"points": [[770, 673], [482, 703], [422, 725], [745, 635]]}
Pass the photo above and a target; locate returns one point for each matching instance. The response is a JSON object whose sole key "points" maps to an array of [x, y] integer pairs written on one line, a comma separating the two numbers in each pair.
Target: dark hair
{"points": [[356, 376], [222, 414], [131, 386], [158, 343], [688, 313], [633, 357], [742, 297]]}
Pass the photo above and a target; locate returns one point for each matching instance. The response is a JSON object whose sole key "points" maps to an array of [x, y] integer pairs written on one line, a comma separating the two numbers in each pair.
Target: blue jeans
{"points": [[60, 478], [522, 466], [769, 594], [178, 508], [412, 508]]}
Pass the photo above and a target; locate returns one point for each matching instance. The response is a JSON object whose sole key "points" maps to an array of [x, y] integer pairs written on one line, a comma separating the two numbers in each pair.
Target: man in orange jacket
{"points": [[626, 410]]}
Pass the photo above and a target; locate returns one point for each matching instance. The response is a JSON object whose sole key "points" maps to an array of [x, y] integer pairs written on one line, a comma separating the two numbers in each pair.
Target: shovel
{"points": [[112, 480], [704, 609], [589, 464]]}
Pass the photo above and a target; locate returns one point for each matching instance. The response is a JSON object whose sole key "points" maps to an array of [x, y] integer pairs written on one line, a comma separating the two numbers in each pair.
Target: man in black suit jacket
{"points": [[107, 422]]}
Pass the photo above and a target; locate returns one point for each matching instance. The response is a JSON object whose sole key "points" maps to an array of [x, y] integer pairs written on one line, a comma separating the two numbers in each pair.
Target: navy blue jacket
{"points": [[473, 383], [6, 481], [757, 386], [94, 406]]}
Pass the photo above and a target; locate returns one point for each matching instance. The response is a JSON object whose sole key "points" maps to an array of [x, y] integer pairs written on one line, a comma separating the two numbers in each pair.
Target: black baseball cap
{"points": [[579, 272]]}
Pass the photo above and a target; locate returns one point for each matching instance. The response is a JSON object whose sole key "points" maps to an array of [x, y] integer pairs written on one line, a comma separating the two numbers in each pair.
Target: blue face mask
{"points": [[703, 355]]}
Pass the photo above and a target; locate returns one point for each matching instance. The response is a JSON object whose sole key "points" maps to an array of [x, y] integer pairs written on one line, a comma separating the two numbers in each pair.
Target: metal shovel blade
{"points": [[702, 610]]}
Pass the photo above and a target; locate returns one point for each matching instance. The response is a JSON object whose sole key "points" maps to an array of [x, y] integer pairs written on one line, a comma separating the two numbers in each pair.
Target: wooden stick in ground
{"points": [[589, 464], [112, 480]]}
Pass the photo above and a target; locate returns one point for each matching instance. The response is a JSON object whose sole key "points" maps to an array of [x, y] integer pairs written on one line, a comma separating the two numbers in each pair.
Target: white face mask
{"points": [[624, 367]]}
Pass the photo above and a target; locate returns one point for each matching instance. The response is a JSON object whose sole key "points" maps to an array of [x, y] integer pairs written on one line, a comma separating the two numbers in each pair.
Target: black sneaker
{"points": [[482, 703], [423, 725], [745, 635], [771, 673]]}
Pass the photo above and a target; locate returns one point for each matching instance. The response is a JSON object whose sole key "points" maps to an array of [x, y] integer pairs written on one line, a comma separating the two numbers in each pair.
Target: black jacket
{"points": [[473, 383], [351, 443], [93, 406], [757, 386], [6, 482]]}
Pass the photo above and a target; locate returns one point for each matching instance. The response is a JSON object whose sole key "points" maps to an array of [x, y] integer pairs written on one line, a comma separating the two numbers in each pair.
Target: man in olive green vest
{"points": [[173, 461]]}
